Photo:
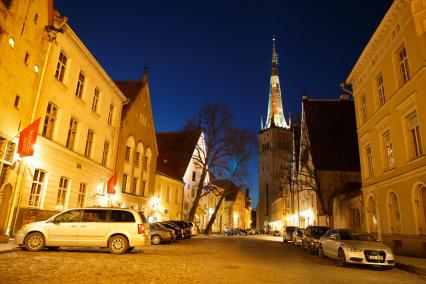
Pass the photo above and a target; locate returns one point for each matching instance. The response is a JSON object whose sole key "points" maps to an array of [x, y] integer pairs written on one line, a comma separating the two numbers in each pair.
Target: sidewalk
{"points": [[411, 264], [8, 247]]}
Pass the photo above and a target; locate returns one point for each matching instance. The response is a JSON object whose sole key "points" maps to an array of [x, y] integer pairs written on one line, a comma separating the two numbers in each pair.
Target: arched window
{"points": [[394, 213], [421, 207], [373, 224]]}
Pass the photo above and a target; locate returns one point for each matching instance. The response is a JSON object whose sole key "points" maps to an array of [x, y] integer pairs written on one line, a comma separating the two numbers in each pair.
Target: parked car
{"points": [[297, 236], [178, 231], [235, 232], [348, 246], [275, 233], [311, 238], [184, 226], [160, 234], [118, 229], [288, 233], [250, 231], [194, 228]]}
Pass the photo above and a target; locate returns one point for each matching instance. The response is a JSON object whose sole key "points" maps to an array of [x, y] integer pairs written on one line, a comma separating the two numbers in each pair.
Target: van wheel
{"points": [[34, 241], [118, 244], [155, 239]]}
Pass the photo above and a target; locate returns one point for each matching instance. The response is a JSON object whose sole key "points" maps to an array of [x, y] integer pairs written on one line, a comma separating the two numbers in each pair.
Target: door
{"points": [[62, 230], [328, 243], [93, 228]]}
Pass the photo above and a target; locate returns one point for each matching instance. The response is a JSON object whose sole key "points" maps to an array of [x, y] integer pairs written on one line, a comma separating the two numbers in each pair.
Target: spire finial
{"points": [[145, 72]]}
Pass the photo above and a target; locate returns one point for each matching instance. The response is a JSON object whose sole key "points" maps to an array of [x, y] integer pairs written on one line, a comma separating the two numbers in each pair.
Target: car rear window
{"points": [[122, 216]]}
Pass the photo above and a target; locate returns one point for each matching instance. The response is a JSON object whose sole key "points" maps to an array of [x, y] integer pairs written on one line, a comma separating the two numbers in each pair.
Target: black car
{"points": [[184, 226], [311, 236], [176, 228]]}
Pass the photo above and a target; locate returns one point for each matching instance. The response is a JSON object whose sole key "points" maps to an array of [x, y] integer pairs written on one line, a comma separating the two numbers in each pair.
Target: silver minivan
{"points": [[120, 230]]}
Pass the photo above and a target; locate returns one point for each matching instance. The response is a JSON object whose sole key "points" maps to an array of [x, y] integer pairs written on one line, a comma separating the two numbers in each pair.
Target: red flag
{"points": [[28, 138], [111, 184]]}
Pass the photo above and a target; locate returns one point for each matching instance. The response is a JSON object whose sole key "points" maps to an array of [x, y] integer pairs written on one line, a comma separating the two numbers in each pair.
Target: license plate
{"points": [[376, 257]]}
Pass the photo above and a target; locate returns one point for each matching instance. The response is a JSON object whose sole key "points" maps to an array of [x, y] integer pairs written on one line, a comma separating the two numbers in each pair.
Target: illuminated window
{"points": [[105, 153], [369, 157], [402, 61], [387, 142], [49, 121], [60, 67], [137, 158], [124, 184], [127, 154], [82, 195], [11, 42], [72, 133], [62, 192], [37, 188], [95, 100], [134, 185], [80, 85], [415, 137], [193, 176], [380, 89], [110, 113], [89, 143]]}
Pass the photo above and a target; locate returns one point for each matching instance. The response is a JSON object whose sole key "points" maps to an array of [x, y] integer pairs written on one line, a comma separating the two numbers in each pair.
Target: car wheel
{"points": [[321, 251], [34, 241], [311, 249], [156, 240], [118, 244], [341, 258]]}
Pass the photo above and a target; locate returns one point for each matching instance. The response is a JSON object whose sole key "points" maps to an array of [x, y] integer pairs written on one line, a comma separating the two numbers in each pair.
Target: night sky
{"points": [[220, 51]]}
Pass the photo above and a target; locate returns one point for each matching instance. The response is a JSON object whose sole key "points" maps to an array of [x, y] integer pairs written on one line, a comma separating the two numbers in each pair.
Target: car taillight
{"points": [[141, 229]]}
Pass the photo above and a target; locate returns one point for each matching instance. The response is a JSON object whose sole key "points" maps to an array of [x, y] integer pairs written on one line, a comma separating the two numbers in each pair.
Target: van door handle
{"points": [[73, 226], [83, 226]]}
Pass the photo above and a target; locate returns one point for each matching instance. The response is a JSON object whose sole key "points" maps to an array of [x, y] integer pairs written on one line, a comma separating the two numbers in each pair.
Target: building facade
{"points": [[80, 108], [166, 202], [388, 82], [275, 146], [23, 25], [137, 147]]}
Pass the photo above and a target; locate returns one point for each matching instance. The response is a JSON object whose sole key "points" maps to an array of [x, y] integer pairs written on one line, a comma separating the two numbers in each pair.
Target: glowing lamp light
{"points": [[11, 42], [36, 68]]}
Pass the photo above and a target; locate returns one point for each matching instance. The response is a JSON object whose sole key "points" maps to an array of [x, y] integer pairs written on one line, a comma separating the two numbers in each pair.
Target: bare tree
{"points": [[227, 150]]}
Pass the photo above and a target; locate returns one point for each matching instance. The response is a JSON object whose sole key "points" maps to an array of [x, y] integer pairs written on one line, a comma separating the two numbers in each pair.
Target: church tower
{"points": [[275, 149]]}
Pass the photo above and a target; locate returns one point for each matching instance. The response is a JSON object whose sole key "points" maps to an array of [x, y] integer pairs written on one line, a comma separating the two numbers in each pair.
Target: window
{"points": [[134, 185], [364, 108], [127, 154], [137, 158], [369, 161], [402, 61], [72, 133], [80, 85], [35, 19], [94, 216], [124, 184], [169, 194], [387, 141], [95, 100], [81, 195], [37, 188], [415, 138], [72, 216], [143, 188], [105, 153], [49, 121], [394, 213], [62, 192], [89, 143], [60, 67], [421, 205], [110, 113], [373, 215], [380, 89], [145, 163], [193, 192], [122, 216], [193, 176], [16, 103], [27, 58]]}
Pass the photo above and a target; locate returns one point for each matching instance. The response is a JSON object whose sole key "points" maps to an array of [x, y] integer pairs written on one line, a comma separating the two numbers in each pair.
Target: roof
{"points": [[332, 134], [231, 188], [175, 151], [131, 90]]}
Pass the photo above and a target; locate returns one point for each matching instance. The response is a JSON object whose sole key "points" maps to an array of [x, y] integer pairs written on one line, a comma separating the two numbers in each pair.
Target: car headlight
{"points": [[355, 249]]}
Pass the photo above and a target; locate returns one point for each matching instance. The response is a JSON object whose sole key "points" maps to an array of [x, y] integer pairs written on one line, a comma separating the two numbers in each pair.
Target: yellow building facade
{"points": [[166, 202], [389, 90]]}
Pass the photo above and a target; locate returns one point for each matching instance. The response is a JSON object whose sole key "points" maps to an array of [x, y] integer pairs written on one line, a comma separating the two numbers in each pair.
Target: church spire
{"points": [[275, 116]]}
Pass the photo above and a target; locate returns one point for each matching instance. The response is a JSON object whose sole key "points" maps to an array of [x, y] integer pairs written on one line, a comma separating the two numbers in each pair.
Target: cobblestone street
{"points": [[216, 259]]}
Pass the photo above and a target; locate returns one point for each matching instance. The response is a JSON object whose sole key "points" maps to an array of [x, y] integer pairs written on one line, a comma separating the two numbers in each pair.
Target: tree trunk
{"points": [[198, 195], [213, 217]]}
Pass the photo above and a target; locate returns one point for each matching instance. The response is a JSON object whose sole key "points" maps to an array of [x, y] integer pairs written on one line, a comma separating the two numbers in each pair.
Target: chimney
{"points": [[344, 97]]}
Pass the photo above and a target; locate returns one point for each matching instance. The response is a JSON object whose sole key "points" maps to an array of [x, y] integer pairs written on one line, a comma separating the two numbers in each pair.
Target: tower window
{"points": [[17, 99]]}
